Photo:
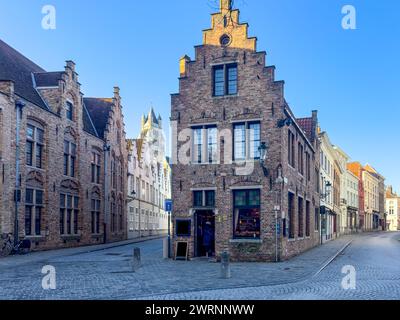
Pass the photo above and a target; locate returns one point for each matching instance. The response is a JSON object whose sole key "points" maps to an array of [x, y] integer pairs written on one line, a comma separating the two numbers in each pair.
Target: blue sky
{"points": [[350, 76]]}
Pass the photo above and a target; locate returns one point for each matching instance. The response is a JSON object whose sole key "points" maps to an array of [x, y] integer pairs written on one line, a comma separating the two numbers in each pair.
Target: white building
{"points": [[327, 171], [392, 210], [352, 202], [149, 181]]}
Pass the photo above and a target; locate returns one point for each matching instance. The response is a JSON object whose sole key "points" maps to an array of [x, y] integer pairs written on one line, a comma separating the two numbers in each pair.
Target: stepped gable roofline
{"points": [[99, 110]]}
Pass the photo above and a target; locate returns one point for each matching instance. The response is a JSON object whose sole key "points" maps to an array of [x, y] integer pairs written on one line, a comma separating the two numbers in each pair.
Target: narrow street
{"points": [[107, 274]]}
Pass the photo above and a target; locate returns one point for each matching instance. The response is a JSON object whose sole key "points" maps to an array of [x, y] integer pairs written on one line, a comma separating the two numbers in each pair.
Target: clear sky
{"points": [[350, 76]]}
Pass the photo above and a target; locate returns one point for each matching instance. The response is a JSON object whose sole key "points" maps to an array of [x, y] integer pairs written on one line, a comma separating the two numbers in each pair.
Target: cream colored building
{"points": [[329, 217], [342, 159], [149, 181], [392, 210]]}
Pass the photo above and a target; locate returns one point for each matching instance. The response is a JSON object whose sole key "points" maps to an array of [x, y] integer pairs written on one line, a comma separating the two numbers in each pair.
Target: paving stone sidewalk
{"points": [[107, 274]]}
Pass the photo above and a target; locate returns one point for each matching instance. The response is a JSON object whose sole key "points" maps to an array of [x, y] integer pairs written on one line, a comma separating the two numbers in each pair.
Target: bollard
{"points": [[165, 248], [225, 266], [137, 263]]}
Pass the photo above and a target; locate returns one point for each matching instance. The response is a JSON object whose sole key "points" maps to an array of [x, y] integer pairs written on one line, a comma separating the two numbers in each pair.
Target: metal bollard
{"points": [[225, 266], [165, 248], [137, 262]]}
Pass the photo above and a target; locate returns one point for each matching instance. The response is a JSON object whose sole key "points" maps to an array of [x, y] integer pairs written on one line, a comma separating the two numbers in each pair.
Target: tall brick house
{"points": [[70, 153], [245, 174]]}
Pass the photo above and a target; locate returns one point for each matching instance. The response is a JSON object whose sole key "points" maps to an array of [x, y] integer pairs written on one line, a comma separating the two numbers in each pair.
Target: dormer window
{"points": [[225, 80], [69, 111]]}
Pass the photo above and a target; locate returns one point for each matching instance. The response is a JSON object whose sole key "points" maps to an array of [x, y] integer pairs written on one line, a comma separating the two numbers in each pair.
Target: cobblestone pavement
{"points": [[107, 274], [375, 257]]}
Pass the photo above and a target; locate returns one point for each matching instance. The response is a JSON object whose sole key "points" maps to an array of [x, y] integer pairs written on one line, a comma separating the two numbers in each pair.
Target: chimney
{"points": [[183, 62]]}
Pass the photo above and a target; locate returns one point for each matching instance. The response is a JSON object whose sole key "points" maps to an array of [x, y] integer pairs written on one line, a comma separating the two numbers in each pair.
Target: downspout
{"points": [[106, 150], [19, 105]]}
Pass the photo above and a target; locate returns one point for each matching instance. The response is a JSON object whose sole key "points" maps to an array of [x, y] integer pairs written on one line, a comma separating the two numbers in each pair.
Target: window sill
{"points": [[250, 241], [39, 238], [70, 237], [229, 96]]}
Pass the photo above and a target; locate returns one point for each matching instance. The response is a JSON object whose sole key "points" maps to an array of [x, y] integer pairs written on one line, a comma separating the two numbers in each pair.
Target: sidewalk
{"points": [[105, 272], [33, 257]]}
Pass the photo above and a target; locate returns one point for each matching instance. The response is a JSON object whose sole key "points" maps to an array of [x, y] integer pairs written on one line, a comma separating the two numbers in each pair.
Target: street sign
{"points": [[168, 205]]}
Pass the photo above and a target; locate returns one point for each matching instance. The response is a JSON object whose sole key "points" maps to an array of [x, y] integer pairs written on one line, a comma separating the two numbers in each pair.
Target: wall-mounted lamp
{"points": [[285, 122], [328, 188]]}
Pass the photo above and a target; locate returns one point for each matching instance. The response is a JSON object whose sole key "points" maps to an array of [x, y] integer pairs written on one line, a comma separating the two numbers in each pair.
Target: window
{"points": [[69, 158], [239, 132], [247, 214], [291, 149], [33, 212], [225, 80], [209, 134], [291, 216], [212, 144], [120, 215], [301, 218], [69, 214], [95, 168], [246, 141], [34, 146], [300, 158], [308, 166], [204, 199], [316, 218], [69, 107], [114, 173], [308, 227], [95, 216], [113, 215], [219, 81]]}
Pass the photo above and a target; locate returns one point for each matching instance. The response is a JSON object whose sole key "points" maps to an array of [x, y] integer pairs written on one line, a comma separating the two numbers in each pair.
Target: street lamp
{"points": [[263, 150], [328, 188]]}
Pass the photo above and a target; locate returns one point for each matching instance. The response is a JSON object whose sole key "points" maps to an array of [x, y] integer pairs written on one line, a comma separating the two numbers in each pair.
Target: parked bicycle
{"points": [[7, 246]]}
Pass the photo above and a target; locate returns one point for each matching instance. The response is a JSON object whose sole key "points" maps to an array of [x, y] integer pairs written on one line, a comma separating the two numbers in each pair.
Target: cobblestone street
{"points": [[107, 274]]}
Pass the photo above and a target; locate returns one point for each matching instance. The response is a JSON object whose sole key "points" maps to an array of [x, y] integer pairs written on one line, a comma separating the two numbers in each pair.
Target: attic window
{"points": [[225, 40]]}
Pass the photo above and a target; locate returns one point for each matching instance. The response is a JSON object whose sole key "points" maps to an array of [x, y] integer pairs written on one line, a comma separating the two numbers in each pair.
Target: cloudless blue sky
{"points": [[350, 76]]}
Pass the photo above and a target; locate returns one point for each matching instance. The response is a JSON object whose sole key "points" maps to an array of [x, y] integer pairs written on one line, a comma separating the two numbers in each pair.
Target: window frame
{"points": [[247, 206], [249, 149], [226, 81], [36, 209], [69, 211], [37, 144]]}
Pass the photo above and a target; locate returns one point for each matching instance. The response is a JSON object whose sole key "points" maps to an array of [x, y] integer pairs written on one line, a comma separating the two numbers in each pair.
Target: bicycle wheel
{"points": [[6, 250]]}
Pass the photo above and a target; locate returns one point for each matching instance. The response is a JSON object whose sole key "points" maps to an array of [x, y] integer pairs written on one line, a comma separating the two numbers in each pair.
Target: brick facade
{"points": [[259, 98], [96, 127]]}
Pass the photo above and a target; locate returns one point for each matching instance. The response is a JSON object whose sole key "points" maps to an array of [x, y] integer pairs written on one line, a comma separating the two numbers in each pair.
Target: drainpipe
{"points": [[19, 105], [106, 150]]}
